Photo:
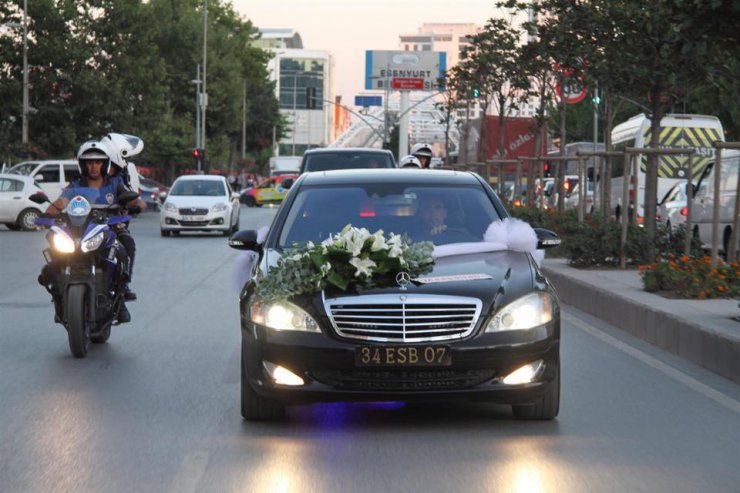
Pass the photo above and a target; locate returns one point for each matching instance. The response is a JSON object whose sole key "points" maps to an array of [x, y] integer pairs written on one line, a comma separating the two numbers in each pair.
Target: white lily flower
{"points": [[325, 268], [362, 266], [378, 242], [310, 245]]}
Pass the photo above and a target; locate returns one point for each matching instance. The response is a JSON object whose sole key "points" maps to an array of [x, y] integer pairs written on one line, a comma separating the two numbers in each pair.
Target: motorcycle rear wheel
{"points": [[75, 311]]}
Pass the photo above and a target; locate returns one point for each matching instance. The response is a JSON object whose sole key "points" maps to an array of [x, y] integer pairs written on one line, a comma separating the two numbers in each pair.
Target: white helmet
{"points": [[123, 147], [422, 149], [93, 149], [410, 162]]}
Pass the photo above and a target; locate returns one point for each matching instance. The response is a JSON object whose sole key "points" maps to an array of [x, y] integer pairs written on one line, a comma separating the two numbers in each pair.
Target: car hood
{"points": [[508, 275], [181, 201]]}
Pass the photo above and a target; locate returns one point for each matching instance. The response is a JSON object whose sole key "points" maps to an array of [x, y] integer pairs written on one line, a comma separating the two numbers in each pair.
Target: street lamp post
{"points": [[197, 81], [24, 135]]}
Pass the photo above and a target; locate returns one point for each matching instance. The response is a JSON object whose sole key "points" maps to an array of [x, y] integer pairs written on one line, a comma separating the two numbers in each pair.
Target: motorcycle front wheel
{"points": [[75, 311]]}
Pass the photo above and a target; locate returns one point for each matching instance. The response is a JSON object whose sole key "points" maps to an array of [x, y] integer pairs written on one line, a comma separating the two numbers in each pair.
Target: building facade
{"points": [[304, 85]]}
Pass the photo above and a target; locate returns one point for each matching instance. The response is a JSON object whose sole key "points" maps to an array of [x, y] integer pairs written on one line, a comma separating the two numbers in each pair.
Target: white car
{"points": [[51, 175], [672, 209], [200, 203], [16, 211], [702, 208]]}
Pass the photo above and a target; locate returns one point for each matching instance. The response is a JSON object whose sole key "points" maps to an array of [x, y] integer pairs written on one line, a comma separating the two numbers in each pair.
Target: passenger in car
{"points": [[433, 214]]}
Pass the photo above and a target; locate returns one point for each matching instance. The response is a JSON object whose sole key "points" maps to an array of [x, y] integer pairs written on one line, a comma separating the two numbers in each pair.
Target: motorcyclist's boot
{"points": [[124, 316], [128, 295]]}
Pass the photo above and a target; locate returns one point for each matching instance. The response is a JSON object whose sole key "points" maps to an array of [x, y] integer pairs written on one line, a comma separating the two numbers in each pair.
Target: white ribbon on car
{"points": [[509, 234]]}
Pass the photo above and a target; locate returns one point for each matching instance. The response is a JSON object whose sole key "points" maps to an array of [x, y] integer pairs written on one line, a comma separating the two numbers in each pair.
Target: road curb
{"points": [[714, 351]]}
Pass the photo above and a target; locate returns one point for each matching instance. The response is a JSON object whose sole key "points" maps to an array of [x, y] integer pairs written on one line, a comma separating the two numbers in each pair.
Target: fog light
{"points": [[282, 376], [525, 374]]}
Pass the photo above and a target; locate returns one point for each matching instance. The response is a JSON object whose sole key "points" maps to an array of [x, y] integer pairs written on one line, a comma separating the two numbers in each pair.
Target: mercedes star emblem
{"points": [[403, 279]]}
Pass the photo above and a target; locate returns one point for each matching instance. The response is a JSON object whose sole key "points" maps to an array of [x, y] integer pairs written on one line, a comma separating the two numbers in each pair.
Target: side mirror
{"points": [[39, 198], [546, 238], [245, 240], [127, 197], [234, 196], [162, 196], [287, 183], [38, 177]]}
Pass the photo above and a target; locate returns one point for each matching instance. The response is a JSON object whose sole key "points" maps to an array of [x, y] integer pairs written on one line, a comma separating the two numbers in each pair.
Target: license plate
{"points": [[403, 356], [192, 218]]}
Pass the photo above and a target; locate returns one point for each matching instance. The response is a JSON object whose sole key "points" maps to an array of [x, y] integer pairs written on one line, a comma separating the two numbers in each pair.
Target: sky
{"points": [[346, 28]]}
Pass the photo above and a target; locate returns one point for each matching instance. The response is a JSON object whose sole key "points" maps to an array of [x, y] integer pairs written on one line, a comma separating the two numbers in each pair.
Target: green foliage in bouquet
{"points": [[352, 258]]}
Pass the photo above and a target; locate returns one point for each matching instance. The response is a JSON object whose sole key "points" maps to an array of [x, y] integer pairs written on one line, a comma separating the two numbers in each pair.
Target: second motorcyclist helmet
{"points": [[410, 162], [423, 152], [93, 150], [122, 148]]}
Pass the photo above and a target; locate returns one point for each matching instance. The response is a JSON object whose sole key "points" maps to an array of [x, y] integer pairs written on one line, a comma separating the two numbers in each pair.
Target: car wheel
{"points": [[254, 406], [12, 226], [164, 233], [548, 406], [26, 219]]}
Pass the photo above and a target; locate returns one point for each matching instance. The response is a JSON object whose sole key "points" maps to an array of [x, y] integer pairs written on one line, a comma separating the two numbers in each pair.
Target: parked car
{"points": [[270, 191], [672, 209], [479, 326], [572, 197], [702, 210], [200, 203], [332, 158], [149, 191], [51, 175], [16, 210]]}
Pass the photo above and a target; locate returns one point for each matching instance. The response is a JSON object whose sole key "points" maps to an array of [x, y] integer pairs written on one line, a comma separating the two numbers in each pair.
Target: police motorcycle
{"points": [[86, 264]]}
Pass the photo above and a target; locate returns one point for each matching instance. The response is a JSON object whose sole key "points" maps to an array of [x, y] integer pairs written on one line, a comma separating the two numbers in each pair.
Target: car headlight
{"points": [[93, 243], [282, 316], [527, 312], [170, 207], [219, 208], [63, 243]]}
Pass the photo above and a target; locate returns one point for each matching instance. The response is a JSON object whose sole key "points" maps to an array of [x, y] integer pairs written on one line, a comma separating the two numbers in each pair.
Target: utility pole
{"points": [[204, 94], [197, 83], [244, 121]]}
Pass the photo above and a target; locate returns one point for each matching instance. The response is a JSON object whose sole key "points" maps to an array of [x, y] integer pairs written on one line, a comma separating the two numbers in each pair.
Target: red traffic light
{"points": [[196, 152]]}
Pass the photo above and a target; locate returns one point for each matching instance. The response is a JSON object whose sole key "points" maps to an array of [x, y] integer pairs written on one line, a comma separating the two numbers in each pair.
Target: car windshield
{"points": [[23, 169], [211, 188], [458, 214], [324, 161]]}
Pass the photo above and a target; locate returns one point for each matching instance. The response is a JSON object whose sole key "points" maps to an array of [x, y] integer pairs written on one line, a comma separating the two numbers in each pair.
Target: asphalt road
{"points": [[156, 409]]}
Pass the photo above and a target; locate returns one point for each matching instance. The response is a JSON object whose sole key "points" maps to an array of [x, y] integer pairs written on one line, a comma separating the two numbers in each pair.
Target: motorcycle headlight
{"points": [[93, 243], [219, 208], [170, 207], [527, 312], [282, 316], [63, 243]]}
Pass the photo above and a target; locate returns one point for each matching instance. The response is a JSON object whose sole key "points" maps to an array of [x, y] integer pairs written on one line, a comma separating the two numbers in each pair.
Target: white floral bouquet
{"points": [[352, 258]]}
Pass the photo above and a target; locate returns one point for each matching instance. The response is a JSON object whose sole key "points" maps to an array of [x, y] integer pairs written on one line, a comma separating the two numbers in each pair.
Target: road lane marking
{"points": [[191, 472], [664, 368]]}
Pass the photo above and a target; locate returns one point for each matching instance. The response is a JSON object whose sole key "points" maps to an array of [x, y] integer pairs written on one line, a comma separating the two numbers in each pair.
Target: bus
{"points": [[676, 130]]}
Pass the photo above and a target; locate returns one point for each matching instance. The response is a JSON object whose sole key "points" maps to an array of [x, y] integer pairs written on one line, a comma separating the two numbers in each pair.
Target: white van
{"points": [[697, 131], [702, 208], [51, 175]]}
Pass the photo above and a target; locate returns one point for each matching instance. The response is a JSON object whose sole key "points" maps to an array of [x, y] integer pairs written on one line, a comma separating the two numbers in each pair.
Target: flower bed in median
{"points": [[692, 277]]}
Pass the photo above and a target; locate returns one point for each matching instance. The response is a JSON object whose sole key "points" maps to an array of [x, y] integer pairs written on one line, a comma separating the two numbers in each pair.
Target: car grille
{"points": [[402, 380], [403, 318], [193, 223], [192, 212]]}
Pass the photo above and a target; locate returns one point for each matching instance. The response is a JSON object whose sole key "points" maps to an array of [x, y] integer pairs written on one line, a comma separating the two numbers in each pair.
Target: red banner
{"points": [[407, 83]]}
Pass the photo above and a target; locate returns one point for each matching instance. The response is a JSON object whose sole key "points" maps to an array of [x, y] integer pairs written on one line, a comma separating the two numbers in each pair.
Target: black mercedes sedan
{"points": [[480, 323]]}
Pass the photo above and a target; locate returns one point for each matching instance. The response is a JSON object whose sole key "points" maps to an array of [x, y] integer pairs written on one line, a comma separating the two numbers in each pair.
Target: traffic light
{"points": [[199, 158], [548, 170], [476, 92], [596, 97]]}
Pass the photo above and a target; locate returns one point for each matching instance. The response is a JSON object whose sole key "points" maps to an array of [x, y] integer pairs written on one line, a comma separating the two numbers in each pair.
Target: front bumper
{"points": [[327, 366], [213, 221]]}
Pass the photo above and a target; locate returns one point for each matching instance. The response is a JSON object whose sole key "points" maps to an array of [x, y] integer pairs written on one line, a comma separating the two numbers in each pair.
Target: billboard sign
{"points": [[407, 70], [363, 100]]}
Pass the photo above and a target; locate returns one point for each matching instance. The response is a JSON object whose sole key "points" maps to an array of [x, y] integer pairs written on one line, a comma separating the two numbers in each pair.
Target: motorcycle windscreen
{"points": [[79, 203]]}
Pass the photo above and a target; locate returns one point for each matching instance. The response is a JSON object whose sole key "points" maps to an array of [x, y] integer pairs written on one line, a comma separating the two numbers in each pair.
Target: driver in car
{"points": [[434, 214]]}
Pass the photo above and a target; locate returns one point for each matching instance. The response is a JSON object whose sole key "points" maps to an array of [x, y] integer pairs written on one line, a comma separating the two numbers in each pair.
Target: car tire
{"points": [[254, 406], [12, 226], [26, 219], [548, 406], [164, 233], [249, 201]]}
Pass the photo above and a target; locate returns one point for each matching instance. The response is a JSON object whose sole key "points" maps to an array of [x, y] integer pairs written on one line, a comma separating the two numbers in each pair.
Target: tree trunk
{"points": [[606, 179], [561, 164], [482, 154], [651, 173]]}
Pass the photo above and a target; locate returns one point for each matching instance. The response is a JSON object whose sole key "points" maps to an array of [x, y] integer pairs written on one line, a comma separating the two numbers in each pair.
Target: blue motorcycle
{"points": [[87, 266]]}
